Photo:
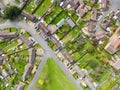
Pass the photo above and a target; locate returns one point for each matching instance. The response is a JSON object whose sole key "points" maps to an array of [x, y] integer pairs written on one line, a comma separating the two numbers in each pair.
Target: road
{"points": [[36, 76], [115, 4], [43, 44]]}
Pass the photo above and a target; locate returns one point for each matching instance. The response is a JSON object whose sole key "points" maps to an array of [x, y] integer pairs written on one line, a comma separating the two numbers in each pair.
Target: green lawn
{"points": [[43, 7], [54, 14], [73, 33], [31, 6], [63, 30], [20, 64], [53, 78], [109, 84], [10, 46], [60, 17], [3, 44], [87, 15]]}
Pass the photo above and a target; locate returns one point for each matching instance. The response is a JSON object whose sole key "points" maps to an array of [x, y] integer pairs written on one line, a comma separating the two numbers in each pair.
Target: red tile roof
{"points": [[104, 4], [117, 43]]}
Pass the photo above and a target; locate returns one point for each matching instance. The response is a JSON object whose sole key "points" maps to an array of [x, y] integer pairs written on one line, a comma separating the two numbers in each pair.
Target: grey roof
{"points": [[20, 86], [70, 22], [6, 34], [28, 16], [32, 53], [28, 69], [1, 59], [55, 41], [25, 40], [43, 27]]}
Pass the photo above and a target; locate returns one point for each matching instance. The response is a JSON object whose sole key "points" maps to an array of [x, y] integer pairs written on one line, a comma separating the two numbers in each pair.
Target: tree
{"points": [[90, 50], [11, 12], [93, 63]]}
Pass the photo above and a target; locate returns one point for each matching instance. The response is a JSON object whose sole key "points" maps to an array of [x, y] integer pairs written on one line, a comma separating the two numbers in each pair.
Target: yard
{"points": [[61, 16], [42, 9], [89, 58], [54, 14], [71, 35], [30, 8], [63, 30], [52, 78]]}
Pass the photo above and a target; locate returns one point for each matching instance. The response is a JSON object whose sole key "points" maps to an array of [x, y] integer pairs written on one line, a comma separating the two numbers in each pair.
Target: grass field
{"points": [[52, 78]]}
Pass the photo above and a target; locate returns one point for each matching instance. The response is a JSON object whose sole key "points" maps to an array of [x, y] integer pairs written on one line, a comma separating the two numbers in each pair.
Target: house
{"points": [[116, 44], [6, 35], [68, 56], [1, 60], [60, 1], [65, 3], [94, 14], [25, 40], [56, 42], [20, 86], [88, 7], [52, 28], [117, 14], [80, 10], [74, 4], [115, 64], [29, 16], [101, 35], [44, 28], [32, 52], [106, 24], [104, 4], [113, 46], [90, 84], [28, 69], [90, 26]]}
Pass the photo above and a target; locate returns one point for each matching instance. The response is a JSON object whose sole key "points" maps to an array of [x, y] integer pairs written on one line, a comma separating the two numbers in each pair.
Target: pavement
{"points": [[48, 51], [43, 44], [36, 76], [115, 4]]}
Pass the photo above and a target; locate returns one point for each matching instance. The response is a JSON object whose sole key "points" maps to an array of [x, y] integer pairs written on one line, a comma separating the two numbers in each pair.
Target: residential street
{"points": [[115, 4], [43, 44], [82, 34], [36, 76]]}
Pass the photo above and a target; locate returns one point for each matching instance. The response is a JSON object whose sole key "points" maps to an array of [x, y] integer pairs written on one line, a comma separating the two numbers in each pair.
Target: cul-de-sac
{"points": [[59, 44]]}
